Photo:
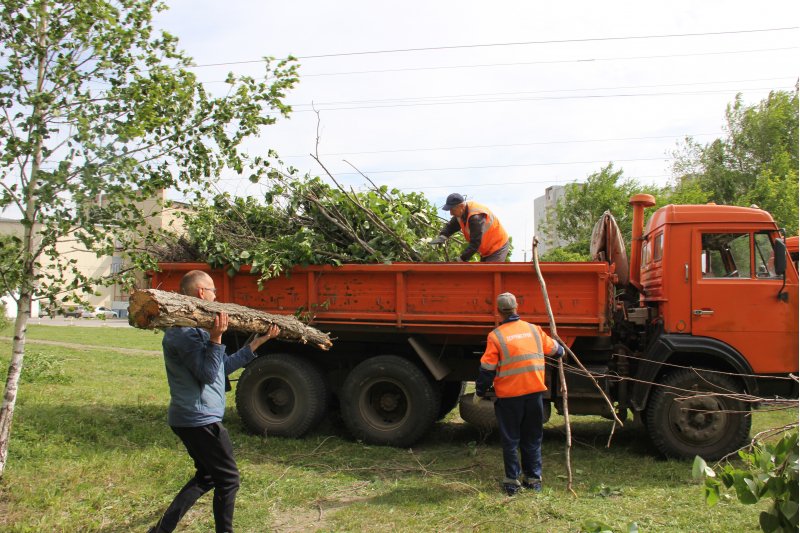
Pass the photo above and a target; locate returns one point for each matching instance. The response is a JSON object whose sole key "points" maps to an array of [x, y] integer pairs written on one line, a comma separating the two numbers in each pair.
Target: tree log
{"points": [[152, 308]]}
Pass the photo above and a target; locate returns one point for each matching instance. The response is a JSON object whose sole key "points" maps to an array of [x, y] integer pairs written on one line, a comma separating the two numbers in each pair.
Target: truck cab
{"points": [[722, 319]]}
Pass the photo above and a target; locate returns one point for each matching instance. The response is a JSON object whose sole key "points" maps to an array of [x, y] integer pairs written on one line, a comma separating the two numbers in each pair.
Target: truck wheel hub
{"points": [[699, 419], [389, 402], [279, 397]]}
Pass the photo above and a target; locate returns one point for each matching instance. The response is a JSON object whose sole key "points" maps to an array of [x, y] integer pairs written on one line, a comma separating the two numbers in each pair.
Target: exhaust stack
{"points": [[639, 203]]}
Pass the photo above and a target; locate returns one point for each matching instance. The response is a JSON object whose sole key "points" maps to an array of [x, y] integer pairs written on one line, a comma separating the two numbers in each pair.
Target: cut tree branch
{"points": [[152, 308]]}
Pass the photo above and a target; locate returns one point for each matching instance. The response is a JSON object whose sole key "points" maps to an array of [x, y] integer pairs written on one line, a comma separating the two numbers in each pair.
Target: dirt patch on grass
{"points": [[317, 519]]}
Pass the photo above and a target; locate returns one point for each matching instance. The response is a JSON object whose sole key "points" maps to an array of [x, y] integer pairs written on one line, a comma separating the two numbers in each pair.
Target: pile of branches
{"points": [[305, 221]]}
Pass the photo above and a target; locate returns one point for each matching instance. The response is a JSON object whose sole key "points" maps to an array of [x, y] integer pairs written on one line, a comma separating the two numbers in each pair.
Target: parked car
{"points": [[73, 311], [100, 312]]}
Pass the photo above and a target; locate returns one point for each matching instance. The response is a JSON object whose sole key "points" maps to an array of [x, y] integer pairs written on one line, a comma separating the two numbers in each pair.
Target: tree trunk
{"points": [[152, 308], [28, 282], [12, 381]]}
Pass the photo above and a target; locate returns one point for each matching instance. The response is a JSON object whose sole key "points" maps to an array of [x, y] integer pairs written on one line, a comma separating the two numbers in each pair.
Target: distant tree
{"points": [[583, 204], [97, 103], [757, 163]]}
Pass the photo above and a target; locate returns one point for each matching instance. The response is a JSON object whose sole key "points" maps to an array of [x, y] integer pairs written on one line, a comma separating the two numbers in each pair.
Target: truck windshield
{"points": [[726, 255]]}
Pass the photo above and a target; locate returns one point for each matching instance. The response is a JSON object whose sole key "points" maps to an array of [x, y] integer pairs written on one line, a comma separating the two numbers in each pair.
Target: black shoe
{"points": [[532, 484], [511, 488]]}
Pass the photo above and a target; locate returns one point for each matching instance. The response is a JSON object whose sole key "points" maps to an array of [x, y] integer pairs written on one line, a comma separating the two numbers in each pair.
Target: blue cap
{"points": [[453, 200]]}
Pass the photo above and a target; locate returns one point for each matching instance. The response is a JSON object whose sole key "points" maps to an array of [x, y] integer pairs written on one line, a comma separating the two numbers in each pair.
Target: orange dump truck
{"points": [[709, 288]]}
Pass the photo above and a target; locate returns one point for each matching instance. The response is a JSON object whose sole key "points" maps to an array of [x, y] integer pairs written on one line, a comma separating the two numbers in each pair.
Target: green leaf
{"points": [[711, 492], [744, 490], [769, 522], [789, 509], [700, 469]]}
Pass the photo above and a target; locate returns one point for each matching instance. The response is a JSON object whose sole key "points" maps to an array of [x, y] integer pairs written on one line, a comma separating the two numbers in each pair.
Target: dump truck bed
{"points": [[430, 298]]}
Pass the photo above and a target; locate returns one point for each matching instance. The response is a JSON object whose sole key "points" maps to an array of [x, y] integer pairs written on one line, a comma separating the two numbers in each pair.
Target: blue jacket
{"points": [[196, 370]]}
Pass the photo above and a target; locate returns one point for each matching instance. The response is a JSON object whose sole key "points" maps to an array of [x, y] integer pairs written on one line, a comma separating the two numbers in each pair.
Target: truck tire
{"points": [[388, 400], [281, 395], [451, 392], [709, 426], [481, 414]]}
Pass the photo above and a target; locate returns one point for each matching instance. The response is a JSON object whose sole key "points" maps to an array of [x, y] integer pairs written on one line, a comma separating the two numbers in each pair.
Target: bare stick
{"points": [[562, 377]]}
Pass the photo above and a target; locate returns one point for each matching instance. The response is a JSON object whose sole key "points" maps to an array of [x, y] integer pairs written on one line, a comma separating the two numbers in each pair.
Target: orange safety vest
{"points": [[494, 235], [515, 351]]}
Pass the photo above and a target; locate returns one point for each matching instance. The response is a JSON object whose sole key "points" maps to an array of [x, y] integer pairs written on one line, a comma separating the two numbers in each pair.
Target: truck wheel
{"points": [[388, 400], [451, 392], [281, 395], [481, 414], [704, 424]]}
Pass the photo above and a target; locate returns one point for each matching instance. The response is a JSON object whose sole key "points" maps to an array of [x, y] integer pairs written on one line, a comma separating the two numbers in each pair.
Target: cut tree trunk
{"points": [[152, 308]]}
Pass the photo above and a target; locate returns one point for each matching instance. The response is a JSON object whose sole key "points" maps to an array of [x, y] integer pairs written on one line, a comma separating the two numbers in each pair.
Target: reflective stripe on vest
{"points": [[494, 235], [506, 358]]}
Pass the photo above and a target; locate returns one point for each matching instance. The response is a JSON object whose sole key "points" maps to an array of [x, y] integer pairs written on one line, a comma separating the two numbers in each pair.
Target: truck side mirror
{"points": [[779, 253]]}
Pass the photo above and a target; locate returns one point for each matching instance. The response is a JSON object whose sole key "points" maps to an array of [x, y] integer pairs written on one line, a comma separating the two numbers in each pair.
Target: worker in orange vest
{"points": [[514, 363], [481, 229]]}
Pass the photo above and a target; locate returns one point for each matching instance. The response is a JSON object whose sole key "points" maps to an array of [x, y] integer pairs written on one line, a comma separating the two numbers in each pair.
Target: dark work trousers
{"points": [[520, 422], [211, 449], [497, 257]]}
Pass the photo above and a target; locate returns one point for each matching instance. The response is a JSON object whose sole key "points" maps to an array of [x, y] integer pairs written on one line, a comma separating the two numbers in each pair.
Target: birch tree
{"points": [[95, 102]]}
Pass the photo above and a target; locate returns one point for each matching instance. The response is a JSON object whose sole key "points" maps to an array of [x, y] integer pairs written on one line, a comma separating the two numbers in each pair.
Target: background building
{"points": [[114, 296], [541, 205]]}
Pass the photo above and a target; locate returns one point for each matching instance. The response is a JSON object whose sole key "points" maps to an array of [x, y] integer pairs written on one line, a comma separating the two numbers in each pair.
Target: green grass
{"points": [[91, 451], [124, 337]]}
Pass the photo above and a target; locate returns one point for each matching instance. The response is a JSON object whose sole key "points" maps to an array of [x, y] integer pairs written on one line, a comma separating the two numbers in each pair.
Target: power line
{"points": [[566, 181], [543, 98], [521, 43], [474, 95], [438, 169], [547, 62], [544, 62], [535, 143]]}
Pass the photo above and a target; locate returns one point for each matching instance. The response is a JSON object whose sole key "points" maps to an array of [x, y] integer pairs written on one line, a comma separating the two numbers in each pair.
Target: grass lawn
{"points": [[91, 451]]}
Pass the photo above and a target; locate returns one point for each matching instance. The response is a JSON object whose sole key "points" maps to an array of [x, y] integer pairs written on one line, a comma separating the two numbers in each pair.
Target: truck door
{"points": [[735, 298]]}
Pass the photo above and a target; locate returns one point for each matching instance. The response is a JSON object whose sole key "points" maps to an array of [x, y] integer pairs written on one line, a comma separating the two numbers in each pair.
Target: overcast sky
{"points": [[496, 100]]}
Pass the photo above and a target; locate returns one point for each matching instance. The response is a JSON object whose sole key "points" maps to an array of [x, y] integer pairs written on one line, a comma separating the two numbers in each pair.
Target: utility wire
{"points": [[523, 63], [545, 91], [513, 165], [522, 43], [545, 62], [535, 143], [543, 98]]}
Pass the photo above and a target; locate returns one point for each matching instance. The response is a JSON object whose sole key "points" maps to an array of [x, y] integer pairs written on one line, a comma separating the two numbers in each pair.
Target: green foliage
{"points": [[102, 113], [304, 221], [10, 266], [584, 203], [4, 321], [566, 255], [44, 367], [770, 472], [757, 163]]}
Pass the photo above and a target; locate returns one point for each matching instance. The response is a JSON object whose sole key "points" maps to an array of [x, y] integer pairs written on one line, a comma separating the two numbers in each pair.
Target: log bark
{"points": [[152, 308]]}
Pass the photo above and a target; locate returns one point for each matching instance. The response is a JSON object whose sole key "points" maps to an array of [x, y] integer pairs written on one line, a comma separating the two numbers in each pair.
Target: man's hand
{"points": [[439, 239], [220, 326], [560, 352], [271, 333]]}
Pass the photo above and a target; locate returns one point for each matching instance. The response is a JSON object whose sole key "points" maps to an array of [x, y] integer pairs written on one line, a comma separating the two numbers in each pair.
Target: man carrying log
{"points": [[197, 367]]}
